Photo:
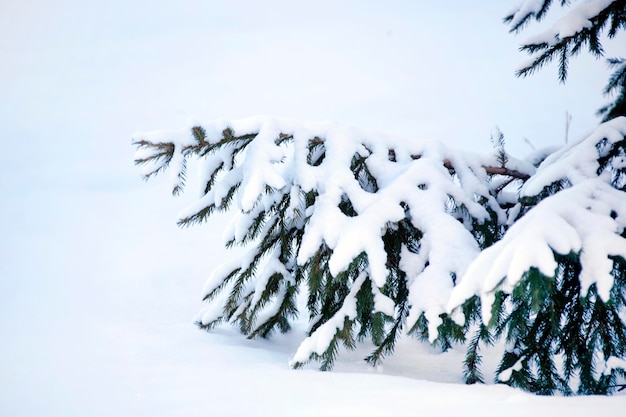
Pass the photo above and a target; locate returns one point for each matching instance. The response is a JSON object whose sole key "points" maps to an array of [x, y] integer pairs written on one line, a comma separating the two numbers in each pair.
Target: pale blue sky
{"points": [[78, 78]]}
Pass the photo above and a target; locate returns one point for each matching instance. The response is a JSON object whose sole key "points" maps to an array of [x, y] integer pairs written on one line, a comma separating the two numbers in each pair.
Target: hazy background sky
{"points": [[78, 78]]}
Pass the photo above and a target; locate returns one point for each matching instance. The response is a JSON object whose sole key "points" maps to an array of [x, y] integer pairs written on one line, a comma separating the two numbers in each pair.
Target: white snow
{"points": [[574, 220], [120, 340], [319, 341], [418, 180], [523, 9], [578, 160], [382, 303], [586, 219], [614, 363], [505, 375], [575, 20]]}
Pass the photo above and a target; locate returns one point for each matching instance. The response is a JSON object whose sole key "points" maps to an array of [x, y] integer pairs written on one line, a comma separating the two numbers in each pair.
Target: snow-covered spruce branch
{"points": [[323, 207], [555, 284], [387, 236], [581, 26], [492, 170], [616, 87]]}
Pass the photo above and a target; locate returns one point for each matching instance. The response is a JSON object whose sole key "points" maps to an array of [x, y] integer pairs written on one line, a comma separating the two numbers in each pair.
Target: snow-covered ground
{"points": [[99, 288], [98, 295]]}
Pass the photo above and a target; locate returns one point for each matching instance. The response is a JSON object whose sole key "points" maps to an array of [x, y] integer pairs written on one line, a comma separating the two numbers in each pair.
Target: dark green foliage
{"points": [[480, 333], [276, 232], [317, 152], [540, 14], [161, 154], [489, 231], [362, 174], [395, 288], [327, 295], [287, 310], [497, 140], [608, 22], [372, 322], [327, 359], [612, 18], [280, 235], [527, 203], [554, 335], [346, 207], [473, 359], [615, 151], [449, 333], [617, 87]]}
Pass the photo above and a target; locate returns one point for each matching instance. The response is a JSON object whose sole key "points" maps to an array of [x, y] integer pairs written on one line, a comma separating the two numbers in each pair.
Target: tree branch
{"points": [[489, 169]]}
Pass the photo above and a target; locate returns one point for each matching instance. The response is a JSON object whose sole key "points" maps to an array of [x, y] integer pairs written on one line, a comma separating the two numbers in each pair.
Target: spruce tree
{"points": [[583, 26], [616, 87], [553, 287], [559, 304], [359, 221], [375, 237]]}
